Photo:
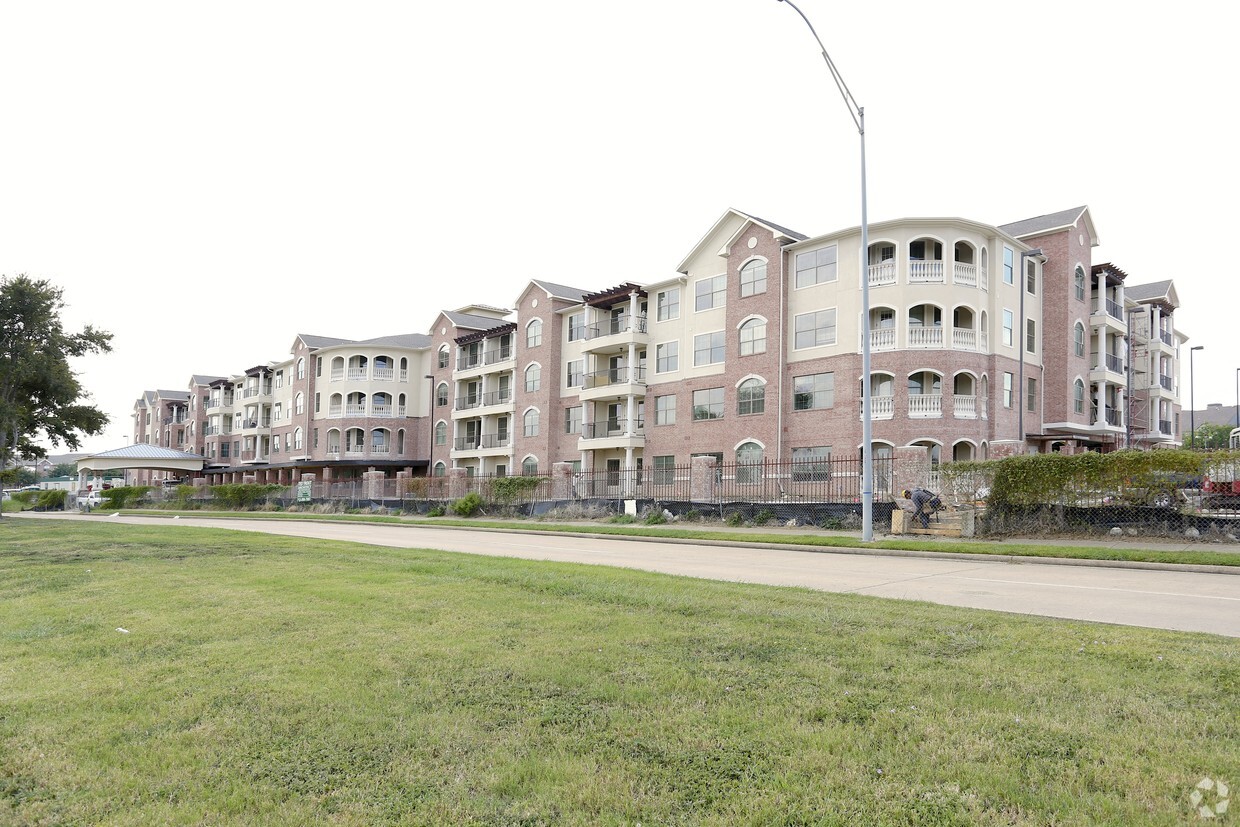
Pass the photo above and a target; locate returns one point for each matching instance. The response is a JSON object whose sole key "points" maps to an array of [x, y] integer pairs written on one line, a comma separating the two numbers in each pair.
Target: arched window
{"points": [[751, 397], [1078, 397], [529, 466], [531, 422], [441, 433], [749, 463], [441, 470], [299, 406], [1078, 282], [533, 333], [301, 368], [333, 441], [533, 378], [753, 278], [443, 356], [753, 337], [337, 369], [297, 439], [1078, 339], [441, 395], [379, 440], [400, 441]]}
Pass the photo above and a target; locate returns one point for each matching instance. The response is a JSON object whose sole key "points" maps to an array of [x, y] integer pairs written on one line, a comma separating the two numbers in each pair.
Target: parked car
{"points": [[90, 499]]}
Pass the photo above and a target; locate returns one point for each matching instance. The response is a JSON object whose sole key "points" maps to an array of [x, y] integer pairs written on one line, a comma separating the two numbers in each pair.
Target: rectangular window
{"points": [[318, 366], [1007, 390], [279, 379], [665, 410], [708, 404], [708, 348], [1031, 277], [710, 293], [666, 357], [1009, 266], [668, 303], [817, 390], [1008, 323], [664, 470], [316, 403], [814, 329], [572, 420], [816, 266], [1031, 336], [576, 327], [1033, 395], [316, 437], [574, 376], [811, 464]]}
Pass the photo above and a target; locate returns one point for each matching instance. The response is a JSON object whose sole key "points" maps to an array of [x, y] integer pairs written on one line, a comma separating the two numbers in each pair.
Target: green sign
{"points": [[305, 491]]}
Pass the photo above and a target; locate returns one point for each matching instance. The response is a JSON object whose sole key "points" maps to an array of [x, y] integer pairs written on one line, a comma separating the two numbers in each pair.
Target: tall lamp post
{"points": [[1192, 404], [430, 416], [867, 454], [1237, 399]]}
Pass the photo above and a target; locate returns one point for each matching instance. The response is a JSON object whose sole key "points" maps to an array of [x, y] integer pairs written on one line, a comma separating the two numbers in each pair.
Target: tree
{"points": [[1209, 436], [40, 396], [64, 469]]}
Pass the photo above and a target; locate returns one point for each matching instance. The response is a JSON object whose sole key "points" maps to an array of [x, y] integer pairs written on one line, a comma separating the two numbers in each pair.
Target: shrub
{"points": [[622, 519], [242, 497], [509, 489], [763, 517], [122, 496], [467, 506], [52, 499], [655, 517], [832, 523], [736, 518], [692, 516], [437, 511]]}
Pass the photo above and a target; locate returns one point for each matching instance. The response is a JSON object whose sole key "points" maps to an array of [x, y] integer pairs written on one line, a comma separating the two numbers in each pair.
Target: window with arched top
{"points": [[529, 466], [1078, 397], [749, 463], [1078, 283], [443, 356], [751, 397], [753, 278], [1078, 339], [297, 438], [441, 395], [400, 441], [753, 337], [533, 333], [299, 404], [533, 378], [441, 433], [440, 469], [301, 368], [530, 422]]}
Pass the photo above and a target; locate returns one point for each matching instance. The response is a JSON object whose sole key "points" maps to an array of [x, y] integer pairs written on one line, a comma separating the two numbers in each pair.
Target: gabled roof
{"points": [[410, 340], [1053, 222], [143, 451], [560, 291], [202, 379], [314, 342], [1158, 292], [777, 230], [180, 396], [469, 321]]}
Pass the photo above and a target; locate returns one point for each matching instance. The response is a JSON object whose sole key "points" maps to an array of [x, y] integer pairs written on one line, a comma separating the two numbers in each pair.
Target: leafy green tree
{"points": [[64, 469], [40, 396], [1209, 436]]}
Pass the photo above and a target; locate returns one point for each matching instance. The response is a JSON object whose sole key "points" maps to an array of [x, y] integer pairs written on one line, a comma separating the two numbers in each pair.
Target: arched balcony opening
{"points": [[925, 261], [925, 326], [380, 441], [357, 367], [964, 264], [964, 396], [882, 396], [333, 441], [882, 263], [401, 405], [337, 373], [964, 328], [962, 452], [335, 405], [400, 441], [404, 370], [355, 441], [925, 395], [381, 404], [355, 404], [882, 328], [383, 369], [936, 459]]}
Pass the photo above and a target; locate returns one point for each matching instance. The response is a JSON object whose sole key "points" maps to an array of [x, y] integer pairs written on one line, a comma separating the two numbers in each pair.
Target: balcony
{"points": [[380, 450], [882, 273], [964, 338], [249, 393], [480, 442], [1166, 382], [920, 336], [1114, 363], [925, 406], [354, 410], [964, 406], [381, 410], [614, 335], [500, 397], [253, 456], [468, 360], [357, 374], [614, 376], [612, 428], [498, 354], [1165, 336], [884, 339], [925, 272], [1109, 307], [884, 407], [965, 274], [212, 403], [465, 403], [169, 420], [384, 374], [1164, 427], [211, 430], [337, 375]]}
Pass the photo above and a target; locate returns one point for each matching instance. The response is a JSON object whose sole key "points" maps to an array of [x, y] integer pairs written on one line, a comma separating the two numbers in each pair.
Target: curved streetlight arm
{"points": [[857, 112]]}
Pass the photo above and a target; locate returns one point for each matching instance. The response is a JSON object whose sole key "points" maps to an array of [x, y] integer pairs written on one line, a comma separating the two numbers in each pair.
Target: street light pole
{"points": [[430, 416], [1237, 398], [867, 454], [1192, 388]]}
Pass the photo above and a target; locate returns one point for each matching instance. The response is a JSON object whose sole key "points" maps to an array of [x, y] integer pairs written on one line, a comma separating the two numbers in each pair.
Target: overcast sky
{"points": [[208, 180]]}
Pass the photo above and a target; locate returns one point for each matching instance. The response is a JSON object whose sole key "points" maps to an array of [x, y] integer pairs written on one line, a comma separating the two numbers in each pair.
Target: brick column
{"points": [[458, 483], [561, 481], [402, 482], [702, 479], [372, 484], [912, 467]]}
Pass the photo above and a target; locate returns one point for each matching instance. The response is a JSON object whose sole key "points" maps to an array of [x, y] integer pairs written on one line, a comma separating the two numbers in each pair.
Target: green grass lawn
{"points": [[268, 680]]}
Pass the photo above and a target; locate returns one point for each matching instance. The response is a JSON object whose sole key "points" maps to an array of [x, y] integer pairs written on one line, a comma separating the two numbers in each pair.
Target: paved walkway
{"points": [[1182, 600]]}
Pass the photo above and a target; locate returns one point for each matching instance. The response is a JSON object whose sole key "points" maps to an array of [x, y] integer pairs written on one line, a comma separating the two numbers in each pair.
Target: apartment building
{"points": [[985, 341]]}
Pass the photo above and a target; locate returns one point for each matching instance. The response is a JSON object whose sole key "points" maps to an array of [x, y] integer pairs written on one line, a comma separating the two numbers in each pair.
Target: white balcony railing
{"points": [[964, 406], [357, 374], [883, 339], [925, 405], [380, 410], [964, 338], [384, 374], [884, 407], [337, 374], [883, 273], [965, 274], [354, 410], [925, 272], [335, 412], [919, 336]]}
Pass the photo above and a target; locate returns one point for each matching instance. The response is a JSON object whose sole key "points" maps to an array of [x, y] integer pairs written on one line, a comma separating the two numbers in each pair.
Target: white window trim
{"points": [[658, 372], [696, 282], [725, 348], [836, 343]]}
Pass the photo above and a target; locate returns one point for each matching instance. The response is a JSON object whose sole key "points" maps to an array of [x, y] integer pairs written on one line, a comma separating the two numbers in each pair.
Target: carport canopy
{"points": [[138, 457]]}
